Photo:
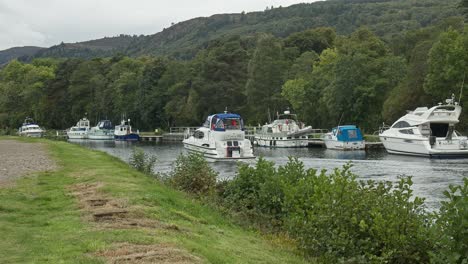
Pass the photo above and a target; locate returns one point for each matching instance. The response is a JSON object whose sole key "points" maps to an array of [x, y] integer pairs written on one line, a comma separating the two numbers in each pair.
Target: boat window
{"points": [[352, 134], [198, 134], [406, 131], [207, 123], [401, 124], [232, 123], [439, 130]]}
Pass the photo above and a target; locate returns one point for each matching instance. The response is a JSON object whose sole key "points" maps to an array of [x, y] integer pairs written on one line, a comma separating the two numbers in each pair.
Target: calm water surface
{"points": [[430, 176]]}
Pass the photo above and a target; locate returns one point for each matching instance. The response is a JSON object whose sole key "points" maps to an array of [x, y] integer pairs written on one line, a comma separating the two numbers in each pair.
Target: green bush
{"points": [[142, 162], [334, 217], [256, 193], [193, 174], [452, 226]]}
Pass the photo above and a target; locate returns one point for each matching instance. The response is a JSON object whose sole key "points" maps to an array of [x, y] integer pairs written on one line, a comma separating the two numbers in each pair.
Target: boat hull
{"points": [[129, 137], [281, 143], [421, 147], [344, 145], [32, 134], [220, 153], [101, 137], [77, 135]]}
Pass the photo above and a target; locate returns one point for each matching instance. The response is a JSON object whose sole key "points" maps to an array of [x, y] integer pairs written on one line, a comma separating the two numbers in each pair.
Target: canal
{"points": [[430, 176]]}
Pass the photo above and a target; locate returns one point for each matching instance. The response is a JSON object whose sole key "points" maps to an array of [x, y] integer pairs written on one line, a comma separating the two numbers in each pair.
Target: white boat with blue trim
{"points": [[30, 129], [427, 132], [346, 137], [222, 137], [124, 132]]}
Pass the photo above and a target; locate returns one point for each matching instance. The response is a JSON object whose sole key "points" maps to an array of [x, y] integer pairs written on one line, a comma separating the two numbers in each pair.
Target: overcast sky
{"points": [[48, 22]]}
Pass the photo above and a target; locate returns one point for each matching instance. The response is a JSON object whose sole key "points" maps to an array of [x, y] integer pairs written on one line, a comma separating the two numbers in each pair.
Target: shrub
{"points": [[334, 217], [452, 226], [193, 174], [256, 193], [142, 161]]}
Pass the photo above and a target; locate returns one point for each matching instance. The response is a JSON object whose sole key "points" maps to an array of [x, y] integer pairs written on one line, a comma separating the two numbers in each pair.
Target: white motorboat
{"points": [[30, 129], [222, 137], [348, 137], [80, 131], [124, 132], [427, 132], [102, 131], [286, 131]]}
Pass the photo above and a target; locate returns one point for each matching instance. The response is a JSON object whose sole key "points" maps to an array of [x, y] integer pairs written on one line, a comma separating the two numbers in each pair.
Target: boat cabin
{"points": [[105, 124], [223, 122], [347, 133]]}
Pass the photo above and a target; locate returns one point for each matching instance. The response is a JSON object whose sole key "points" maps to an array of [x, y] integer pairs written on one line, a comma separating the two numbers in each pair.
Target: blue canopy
{"points": [[218, 125], [228, 115], [348, 133]]}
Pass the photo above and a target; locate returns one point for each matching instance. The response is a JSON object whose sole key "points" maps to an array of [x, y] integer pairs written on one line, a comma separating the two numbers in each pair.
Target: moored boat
{"points": [[30, 129], [124, 132], [427, 132], [80, 131], [102, 131], [347, 137], [286, 131], [222, 137]]}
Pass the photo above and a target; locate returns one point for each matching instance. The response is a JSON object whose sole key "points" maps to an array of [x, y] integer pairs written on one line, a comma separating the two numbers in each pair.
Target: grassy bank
{"points": [[47, 218]]}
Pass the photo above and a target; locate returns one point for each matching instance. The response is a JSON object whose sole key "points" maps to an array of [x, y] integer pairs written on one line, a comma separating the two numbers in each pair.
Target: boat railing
{"points": [[181, 130], [382, 128]]}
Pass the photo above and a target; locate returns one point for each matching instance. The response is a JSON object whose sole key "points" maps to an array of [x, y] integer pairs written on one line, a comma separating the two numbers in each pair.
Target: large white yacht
{"points": [[30, 129], [427, 132], [348, 137], [102, 131], [222, 137], [80, 131], [286, 131]]}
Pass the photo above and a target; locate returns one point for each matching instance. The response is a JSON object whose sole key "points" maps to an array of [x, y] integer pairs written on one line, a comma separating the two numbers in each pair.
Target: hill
{"points": [[387, 18], [17, 52]]}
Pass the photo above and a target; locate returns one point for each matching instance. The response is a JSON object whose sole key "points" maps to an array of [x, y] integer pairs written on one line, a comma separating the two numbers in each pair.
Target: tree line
{"points": [[324, 77]]}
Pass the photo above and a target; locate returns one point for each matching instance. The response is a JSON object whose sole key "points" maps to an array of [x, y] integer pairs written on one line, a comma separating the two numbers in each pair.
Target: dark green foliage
{"points": [[452, 226], [334, 217], [256, 193], [142, 162], [192, 174]]}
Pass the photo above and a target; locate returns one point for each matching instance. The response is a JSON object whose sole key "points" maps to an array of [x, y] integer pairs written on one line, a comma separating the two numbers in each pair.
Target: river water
{"points": [[430, 176]]}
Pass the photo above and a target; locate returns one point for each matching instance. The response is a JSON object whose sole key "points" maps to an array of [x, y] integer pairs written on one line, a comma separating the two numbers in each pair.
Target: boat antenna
{"points": [[461, 88], [339, 122], [269, 116]]}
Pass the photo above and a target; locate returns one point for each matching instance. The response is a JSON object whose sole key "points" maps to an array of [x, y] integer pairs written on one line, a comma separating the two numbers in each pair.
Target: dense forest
{"points": [[362, 75], [386, 18]]}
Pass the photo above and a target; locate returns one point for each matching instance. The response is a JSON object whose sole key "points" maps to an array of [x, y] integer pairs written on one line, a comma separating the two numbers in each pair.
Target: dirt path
{"points": [[18, 159]]}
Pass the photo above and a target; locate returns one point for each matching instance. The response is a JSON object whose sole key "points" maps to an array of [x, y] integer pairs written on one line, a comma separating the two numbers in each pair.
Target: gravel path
{"points": [[18, 159]]}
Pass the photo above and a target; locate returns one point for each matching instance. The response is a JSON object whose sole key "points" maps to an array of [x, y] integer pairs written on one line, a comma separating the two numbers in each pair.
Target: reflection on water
{"points": [[430, 176]]}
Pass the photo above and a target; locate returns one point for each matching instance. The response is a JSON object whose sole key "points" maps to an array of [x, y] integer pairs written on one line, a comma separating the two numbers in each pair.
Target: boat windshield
{"points": [[222, 124]]}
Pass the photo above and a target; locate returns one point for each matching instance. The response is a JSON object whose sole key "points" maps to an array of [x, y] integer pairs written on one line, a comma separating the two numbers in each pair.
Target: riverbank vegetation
{"points": [[96, 208], [360, 76], [336, 218]]}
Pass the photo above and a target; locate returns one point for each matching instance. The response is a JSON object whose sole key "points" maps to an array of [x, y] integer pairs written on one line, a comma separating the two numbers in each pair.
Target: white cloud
{"points": [[48, 22]]}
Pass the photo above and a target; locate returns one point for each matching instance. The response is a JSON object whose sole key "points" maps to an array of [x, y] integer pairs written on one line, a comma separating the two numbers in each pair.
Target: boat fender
{"points": [[280, 127], [432, 140]]}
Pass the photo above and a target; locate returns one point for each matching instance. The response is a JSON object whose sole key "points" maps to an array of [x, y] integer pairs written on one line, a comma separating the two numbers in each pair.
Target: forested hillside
{"points": [[322, 73], [386, 18], [19, 52]]}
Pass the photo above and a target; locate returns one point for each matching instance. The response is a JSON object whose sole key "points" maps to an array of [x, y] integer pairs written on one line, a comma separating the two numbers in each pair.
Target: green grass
{"points": [[40, 220]]}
